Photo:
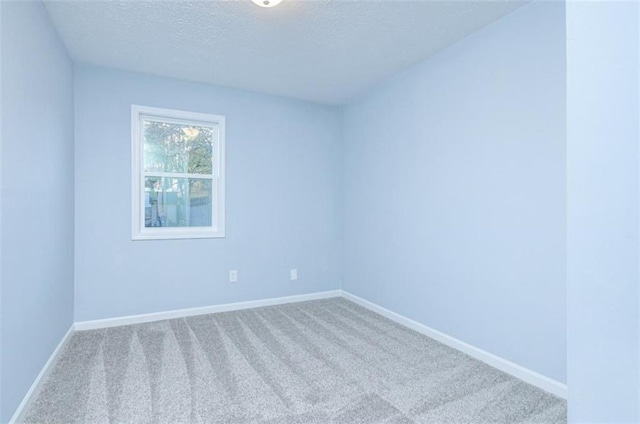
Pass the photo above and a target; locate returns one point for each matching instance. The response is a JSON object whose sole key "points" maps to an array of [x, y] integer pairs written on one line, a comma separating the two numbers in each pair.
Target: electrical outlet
{"points": [[233, 276], [293, 274]]}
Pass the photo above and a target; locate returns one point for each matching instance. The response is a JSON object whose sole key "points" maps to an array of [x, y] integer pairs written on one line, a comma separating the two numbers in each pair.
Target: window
{"points": [[177, 174]]}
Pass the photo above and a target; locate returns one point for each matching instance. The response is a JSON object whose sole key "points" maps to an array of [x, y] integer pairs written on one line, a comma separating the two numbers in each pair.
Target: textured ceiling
{"points": [[325, 51]]}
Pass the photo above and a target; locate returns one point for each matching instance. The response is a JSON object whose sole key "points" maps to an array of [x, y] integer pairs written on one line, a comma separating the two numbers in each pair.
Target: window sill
{"points": [[178, 234]]}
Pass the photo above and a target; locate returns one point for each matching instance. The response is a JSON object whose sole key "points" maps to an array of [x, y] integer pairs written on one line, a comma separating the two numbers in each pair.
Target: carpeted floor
{"points": [[325, 361]]}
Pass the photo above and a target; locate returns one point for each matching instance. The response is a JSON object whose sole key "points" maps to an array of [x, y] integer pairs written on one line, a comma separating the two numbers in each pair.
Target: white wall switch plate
{"points": [[293, 274], [233, 276]]}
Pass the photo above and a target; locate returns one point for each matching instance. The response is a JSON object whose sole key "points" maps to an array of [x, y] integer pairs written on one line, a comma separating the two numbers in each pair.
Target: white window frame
{"points": [[139, 231]]}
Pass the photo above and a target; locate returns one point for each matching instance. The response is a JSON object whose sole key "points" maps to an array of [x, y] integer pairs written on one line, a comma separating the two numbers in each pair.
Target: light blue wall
{"points": [[37, 196], [455, 191], [1, 119], [602, 206], [282, 200]]}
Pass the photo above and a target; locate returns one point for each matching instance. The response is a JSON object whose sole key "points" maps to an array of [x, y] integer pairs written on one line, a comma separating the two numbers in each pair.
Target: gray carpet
{"points": [[325, 361]]}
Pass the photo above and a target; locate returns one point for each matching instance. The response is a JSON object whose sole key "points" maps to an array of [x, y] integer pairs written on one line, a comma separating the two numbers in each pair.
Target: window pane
{"points": [[177, 148], [177, 202]]}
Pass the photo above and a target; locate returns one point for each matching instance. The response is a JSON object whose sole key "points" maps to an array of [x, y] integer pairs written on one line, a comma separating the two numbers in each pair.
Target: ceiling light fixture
{"points": [[267, 3]]}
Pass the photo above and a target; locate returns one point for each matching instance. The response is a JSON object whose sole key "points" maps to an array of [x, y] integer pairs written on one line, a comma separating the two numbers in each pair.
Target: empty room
{"points": [[319, 211]]}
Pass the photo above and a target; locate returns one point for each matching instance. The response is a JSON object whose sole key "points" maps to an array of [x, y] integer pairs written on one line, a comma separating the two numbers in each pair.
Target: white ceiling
{"points": [[320, 50]]}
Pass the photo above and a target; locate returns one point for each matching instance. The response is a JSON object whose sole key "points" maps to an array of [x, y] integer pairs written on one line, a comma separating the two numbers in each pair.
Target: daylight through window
{"points": [[178, 174]]}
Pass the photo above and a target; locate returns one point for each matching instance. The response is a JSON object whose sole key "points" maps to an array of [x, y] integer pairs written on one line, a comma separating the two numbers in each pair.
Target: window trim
{"points": [[138, 230]]}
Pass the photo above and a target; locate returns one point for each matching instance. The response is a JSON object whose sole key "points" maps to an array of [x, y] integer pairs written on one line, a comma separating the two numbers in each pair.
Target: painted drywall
{"points": [[282, 192], [454, 191], [37, 196], [602, 211], [1, 118]]}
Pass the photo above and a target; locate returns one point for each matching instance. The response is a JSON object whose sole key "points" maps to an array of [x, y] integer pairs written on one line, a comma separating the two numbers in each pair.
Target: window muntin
{"points": [[178, 174]]}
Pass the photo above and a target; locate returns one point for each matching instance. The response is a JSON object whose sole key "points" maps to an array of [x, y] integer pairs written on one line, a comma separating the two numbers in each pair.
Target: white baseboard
{"points": [[545, 383], [181, 313], [35, 388]]}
